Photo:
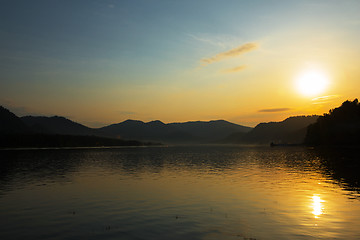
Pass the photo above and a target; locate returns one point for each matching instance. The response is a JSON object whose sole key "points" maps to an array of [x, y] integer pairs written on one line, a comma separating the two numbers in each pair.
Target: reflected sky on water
{"points": [[183, 192]]}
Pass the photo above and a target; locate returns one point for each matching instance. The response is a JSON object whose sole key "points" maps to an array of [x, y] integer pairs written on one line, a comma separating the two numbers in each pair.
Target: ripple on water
{"points": [[216, 192]]}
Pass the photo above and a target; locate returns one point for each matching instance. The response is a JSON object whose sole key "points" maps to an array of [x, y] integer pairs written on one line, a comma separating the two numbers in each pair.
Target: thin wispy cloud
{"points": [[273, 110], [324, 99], [235, 69], [235, 52], [207, 40]]}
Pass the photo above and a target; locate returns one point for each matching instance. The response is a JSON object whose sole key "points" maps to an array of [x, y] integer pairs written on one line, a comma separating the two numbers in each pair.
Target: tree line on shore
{"points": [[341, 126]]}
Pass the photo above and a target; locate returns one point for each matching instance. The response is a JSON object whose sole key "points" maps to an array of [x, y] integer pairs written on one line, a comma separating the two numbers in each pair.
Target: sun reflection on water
{"points": [[317, 206]]}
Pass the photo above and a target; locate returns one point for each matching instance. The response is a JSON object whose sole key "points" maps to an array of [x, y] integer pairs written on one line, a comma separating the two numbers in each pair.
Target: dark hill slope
{"points": [[291, 130], [10, 123], [341, 126], [151, 131], [188, 132], [211, 131], [57, 125], [50, 132]]}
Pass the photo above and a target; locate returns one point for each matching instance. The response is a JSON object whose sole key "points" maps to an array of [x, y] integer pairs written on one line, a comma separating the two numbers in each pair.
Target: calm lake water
{"points": [[182, 192]]}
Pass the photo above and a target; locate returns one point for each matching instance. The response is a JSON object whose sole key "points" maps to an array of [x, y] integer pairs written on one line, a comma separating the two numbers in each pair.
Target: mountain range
{"points": [[291, 130], [188, 132], [57, 125]]}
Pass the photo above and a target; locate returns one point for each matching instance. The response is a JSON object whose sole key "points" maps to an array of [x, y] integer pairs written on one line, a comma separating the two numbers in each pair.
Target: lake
{"points": [[179, 192]]}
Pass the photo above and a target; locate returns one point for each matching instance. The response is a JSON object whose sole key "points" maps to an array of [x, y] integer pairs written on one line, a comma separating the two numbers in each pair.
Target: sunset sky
{"points": [[102, 62]]}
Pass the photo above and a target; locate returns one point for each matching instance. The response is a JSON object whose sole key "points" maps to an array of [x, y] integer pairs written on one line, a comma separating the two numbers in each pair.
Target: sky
{"points": [[102, 62]]}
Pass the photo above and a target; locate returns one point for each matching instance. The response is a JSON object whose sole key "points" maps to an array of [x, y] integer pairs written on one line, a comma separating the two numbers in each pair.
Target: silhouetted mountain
{"points": [[188, 132], [10, 123], [51, 132], [341, 126], [151, 131], [57, 125], [210, 131], [133, 129], [291, 130]]}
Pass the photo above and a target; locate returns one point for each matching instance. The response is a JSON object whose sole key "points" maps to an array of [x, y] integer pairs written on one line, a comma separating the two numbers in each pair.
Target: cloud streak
{"points": [[207, 40], [247, 47], [272, 110], [325, 98], [235, 69]]}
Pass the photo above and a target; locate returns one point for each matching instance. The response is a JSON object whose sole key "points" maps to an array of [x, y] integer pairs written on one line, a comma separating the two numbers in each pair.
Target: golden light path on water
{"points": [[203, 192], [317, 206]]}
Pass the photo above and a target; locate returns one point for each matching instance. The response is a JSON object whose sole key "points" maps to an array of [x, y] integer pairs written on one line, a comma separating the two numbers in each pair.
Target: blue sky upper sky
{"points": [[101, 62]]}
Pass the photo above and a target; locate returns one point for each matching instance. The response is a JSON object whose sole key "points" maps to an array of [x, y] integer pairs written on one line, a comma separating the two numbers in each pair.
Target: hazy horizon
{"points": [[99, 125]]}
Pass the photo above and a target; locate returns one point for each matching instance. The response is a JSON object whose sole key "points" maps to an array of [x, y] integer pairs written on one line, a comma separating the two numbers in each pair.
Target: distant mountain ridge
{"points": [[207, 130], [187, 132], [291, 130], [40, 132], [56, 125]]}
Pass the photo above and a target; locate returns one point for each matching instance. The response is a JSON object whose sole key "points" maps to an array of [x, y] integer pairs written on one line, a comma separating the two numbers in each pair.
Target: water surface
{"points": [[183, 192]]}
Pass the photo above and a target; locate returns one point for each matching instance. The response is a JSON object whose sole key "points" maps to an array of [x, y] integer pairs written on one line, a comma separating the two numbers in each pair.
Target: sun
{"points": [[312, 82]]}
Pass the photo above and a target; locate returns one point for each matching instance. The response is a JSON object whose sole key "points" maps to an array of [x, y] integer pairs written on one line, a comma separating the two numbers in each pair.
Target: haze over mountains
{"points": [[291, 130], [188, 132]]}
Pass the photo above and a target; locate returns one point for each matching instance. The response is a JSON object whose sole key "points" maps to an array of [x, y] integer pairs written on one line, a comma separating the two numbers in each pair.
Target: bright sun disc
{"points": [[312, 82]]}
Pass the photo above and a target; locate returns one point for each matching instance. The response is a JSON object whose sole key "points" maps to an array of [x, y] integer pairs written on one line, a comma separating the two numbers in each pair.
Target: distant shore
{"points": [[37, 141]]}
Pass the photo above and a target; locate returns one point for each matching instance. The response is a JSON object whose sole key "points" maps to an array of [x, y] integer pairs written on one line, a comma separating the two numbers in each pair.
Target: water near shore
{"points": [[199, 192]]}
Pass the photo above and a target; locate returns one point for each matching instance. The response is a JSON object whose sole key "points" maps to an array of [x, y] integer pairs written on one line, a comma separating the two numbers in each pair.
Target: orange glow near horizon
{"points": [[246, 67]]}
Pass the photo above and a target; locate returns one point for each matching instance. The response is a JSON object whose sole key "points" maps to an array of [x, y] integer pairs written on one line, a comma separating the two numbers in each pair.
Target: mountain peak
{"points": [[156, 122], [128, 121], [56, 125]]}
